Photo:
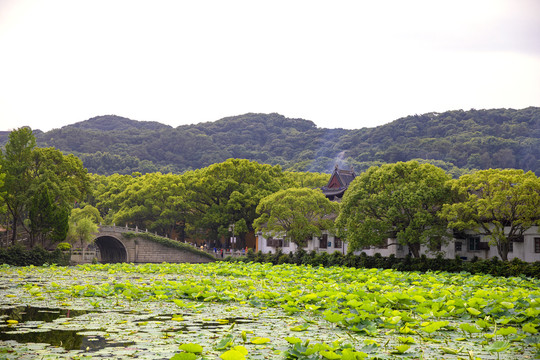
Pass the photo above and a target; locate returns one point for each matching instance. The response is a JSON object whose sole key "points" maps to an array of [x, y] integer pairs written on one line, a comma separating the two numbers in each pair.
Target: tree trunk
{"points": [[14, 231], [415, 249], [502, 249], [32, 240], [82, 251]]}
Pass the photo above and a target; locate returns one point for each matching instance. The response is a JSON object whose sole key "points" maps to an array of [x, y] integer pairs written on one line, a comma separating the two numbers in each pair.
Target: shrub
{"points": [[64, 246], [321, 259], [299, 256], [259, 257], [19, 256], [336, 259], [274, 259], [250, 255], [283, 259], [309, 258], [493, 266]]}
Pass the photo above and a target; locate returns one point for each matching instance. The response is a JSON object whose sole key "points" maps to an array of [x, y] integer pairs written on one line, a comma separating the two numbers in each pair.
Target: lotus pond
{"points": [[259, 311]]}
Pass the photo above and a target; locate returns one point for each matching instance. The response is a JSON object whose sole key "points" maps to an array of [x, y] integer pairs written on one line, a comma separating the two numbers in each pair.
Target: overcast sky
{"points": [[349, 64]]}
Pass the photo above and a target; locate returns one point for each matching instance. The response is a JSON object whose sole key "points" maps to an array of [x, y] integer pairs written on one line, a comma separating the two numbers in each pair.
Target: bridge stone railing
{"points": [[121, 229]]}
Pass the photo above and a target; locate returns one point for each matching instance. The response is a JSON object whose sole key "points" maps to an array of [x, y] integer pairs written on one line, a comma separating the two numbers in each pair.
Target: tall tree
{"points": [[64, 176], [398, 201], [106, 196], [2, 193], [16, 162], [228, 193], [147, 202], [48, 220], [299, 213], [41, 215], [29, 171], [501, 204]]}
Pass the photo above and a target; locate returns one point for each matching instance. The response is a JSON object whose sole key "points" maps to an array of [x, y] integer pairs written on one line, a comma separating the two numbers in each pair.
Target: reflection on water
{"points": [[32, 313], [68, 339], [79, 340]]}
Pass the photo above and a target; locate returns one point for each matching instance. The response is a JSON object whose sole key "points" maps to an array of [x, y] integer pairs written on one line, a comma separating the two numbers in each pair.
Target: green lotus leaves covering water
{"points": [[259, 311]]}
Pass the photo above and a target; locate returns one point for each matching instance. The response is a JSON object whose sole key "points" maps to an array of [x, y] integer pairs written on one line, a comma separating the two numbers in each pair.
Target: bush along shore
{"points": [[20, 256], [492, 266]]}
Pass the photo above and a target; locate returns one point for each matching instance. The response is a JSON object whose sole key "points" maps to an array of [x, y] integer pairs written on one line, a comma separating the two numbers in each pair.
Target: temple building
{"points": [[338, 183]]}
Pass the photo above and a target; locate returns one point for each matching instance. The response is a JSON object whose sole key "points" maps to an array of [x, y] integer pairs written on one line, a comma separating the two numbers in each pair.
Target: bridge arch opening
{"points": [[111, 250]]}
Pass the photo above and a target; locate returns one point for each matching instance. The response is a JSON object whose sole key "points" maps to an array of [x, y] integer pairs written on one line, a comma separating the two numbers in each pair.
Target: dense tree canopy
{"points": [[16, 162], [48, 220], [202, 203], [147, 202], [307, 179], [41, 186], [398, 201], [88, 211], [228, 193], [298, 213], [502, 204]]}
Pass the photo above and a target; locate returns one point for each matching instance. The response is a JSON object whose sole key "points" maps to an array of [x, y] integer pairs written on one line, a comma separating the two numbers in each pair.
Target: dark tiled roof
{"points": [[339, 177], [346, 176]]}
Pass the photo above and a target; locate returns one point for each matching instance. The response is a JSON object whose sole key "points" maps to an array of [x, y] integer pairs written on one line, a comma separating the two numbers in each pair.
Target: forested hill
{"points": [[118, 123], [454, 140]]}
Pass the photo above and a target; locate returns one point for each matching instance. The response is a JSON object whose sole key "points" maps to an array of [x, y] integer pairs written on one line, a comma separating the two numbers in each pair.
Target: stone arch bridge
{"points": [[112, 247]]}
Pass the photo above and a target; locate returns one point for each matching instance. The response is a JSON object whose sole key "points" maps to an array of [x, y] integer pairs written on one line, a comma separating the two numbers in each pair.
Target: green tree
{"points": [[151, 201], [88, 211], [37, 175], [63, 175], [398, 201], [61, 225], [83, 230], [16, 162], [307, 179], [501, 204], [299, 212], [106, 195], [2, 193], [228, 192], [47, 219]]}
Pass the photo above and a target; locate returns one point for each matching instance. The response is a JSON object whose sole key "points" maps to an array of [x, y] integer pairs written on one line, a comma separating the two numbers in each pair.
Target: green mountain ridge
{"points": [[118, 123], [455, 140]]}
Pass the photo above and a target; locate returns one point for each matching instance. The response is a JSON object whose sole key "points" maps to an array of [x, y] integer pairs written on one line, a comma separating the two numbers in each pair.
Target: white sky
{"points": [[349, 64]]}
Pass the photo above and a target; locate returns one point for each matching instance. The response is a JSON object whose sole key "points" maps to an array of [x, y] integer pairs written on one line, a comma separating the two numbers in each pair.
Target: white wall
{"points": [[523, 251]]}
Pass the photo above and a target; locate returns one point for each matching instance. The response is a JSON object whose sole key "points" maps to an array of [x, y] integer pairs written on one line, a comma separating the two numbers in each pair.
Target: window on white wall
{"points": [[474, 243], [323, 241]]}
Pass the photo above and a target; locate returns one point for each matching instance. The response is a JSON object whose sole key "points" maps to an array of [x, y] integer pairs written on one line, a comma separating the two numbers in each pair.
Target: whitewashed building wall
{"points": [[467, 248]]}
